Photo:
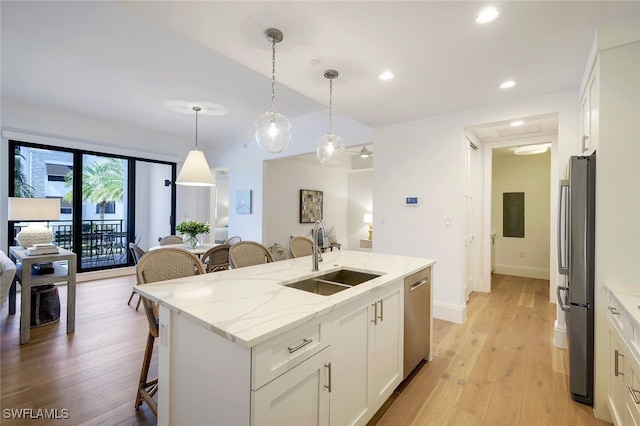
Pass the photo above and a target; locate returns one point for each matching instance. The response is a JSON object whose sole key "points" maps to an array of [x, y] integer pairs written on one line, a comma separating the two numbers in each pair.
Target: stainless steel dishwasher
{"points": [[417, 319]]}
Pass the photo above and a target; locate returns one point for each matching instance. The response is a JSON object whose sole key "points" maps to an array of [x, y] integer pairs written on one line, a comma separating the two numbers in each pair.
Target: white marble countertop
{"points": [[251, 305], [629, 300]]}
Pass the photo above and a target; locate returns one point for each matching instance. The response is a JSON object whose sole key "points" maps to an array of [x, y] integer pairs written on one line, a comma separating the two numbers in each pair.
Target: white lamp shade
{"points": [[368, 218], [195, 171], [273, 131], [33, 209]]}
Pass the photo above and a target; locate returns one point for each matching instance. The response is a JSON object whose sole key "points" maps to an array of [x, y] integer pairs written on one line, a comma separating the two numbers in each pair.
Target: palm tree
{"points": [[102, 182], [21, 187]]}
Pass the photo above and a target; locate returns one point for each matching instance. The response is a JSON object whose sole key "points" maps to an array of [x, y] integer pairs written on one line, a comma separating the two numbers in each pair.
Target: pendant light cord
{"points": [[196, 109], [273, 75], [331, 106]]}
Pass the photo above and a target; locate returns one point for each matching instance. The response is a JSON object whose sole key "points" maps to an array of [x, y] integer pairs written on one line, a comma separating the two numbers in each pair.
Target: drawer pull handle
{"points": [[381, 318], [613, 310], [375, 313], [328, 385], [634, 395], [615, 367], [304, 343]]}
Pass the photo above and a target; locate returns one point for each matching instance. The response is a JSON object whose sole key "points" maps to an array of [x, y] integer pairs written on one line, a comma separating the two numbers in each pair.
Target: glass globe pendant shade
{"points": [[330, 149], [273, 131]]}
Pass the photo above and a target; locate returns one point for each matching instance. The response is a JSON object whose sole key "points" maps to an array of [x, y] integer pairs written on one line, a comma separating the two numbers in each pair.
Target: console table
{"points": [[64, 263]]}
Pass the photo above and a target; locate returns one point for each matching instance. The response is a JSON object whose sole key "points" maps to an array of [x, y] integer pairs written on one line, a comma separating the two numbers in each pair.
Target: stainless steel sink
{"points": [[348, 277], [333, 282], [321, 287]]}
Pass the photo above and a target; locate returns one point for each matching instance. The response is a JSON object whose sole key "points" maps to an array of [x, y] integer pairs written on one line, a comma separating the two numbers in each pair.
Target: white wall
{"points": [[245, 161], [283, 181], [360, 202], [430, 164], [528, 256]]}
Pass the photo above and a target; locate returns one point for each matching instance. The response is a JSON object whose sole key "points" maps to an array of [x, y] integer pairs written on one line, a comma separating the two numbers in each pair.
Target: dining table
{"points": [[198, 251]]}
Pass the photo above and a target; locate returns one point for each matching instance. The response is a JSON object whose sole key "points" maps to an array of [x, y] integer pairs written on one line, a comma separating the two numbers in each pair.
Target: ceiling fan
{"points": [[362, 153]]}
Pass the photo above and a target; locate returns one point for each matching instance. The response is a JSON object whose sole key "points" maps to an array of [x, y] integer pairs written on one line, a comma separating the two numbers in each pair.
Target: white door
{"points": [[469, 239]]}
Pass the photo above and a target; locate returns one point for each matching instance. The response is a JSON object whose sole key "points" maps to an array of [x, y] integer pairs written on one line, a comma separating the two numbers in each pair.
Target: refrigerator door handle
{"points": [[565, 308], [563, 228]]}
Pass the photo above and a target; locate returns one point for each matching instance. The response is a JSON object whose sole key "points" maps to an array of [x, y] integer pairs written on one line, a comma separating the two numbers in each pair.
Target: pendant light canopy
{"points": [[330, 148], [195, 170], [273, 130]]}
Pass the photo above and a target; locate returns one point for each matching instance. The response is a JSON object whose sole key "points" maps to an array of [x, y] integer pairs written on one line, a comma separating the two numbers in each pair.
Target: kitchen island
{"points": [[239, 347]]}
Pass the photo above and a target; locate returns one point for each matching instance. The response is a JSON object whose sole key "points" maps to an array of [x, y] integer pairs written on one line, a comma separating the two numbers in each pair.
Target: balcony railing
{"points": [[104, 243]]}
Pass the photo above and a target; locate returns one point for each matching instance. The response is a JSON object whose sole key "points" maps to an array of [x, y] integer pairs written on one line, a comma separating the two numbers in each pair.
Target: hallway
{"points": [[498, 368]]}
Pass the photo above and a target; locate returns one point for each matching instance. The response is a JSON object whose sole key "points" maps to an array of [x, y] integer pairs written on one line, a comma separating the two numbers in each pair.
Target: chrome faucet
{"points": [[316, 256]]}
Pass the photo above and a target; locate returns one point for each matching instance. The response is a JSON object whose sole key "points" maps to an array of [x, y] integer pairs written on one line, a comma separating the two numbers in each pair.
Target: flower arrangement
{"points": [[193, 227]]}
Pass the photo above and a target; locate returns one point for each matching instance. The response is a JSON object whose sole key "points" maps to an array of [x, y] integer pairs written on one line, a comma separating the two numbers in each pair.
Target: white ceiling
{"points": [[124, 61]]}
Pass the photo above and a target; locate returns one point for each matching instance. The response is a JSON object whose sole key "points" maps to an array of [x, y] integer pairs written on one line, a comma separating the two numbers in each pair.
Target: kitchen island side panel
{"points": [[201, 374]]}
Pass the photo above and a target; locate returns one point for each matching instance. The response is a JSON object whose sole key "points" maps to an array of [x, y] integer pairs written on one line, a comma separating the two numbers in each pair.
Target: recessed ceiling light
{"points": [[487, 14], [507, 84], [531, 149], [386, 75], [517, 123]]}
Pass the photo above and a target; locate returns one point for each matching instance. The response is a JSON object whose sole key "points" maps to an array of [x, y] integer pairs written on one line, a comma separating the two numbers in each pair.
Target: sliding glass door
{"points": [[105, 201]]}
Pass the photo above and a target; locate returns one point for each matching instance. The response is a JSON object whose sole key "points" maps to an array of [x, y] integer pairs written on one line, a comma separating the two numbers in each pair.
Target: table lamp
{"points": [[368, 219], [34, 210]]}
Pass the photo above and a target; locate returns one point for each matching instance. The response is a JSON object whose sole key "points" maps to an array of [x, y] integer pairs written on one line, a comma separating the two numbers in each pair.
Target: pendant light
{"points": [[330, 148], [195, 170], [365, 153], [273, 130]]}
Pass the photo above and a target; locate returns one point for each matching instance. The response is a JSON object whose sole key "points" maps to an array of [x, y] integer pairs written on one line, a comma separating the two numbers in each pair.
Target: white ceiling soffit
{"points": [[122, 61]]}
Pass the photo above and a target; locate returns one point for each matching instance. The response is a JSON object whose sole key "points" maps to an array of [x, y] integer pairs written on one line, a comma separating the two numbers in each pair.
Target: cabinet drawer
{"points": [[617, 315], [278, 355]]}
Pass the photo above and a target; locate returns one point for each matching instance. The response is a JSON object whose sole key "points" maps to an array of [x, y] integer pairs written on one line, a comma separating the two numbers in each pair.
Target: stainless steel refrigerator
{"points": [[576, 246]]}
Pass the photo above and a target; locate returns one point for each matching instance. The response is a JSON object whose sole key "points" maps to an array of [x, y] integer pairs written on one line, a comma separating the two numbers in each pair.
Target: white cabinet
{"points": [[298, 397], [388, 343], [589, 110], [624, 351], [366, 349], [617, 389], [632, 390]]}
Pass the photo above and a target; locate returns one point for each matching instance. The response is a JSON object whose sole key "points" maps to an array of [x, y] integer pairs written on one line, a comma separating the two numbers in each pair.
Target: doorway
{"points": [[501, 138]]}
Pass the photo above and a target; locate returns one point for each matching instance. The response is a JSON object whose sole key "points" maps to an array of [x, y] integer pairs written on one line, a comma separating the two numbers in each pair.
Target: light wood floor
{"points": [[499, 368]]}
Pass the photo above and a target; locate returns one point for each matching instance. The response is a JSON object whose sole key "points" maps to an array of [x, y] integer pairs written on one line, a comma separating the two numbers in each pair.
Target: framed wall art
{"points": [[243, 201], [310, 205]]}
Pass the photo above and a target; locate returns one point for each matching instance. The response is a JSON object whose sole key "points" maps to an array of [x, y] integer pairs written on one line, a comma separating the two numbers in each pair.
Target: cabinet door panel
{"points": [[616, 374], [298, 397], [633, 389], [350, 396], [388, 345]]}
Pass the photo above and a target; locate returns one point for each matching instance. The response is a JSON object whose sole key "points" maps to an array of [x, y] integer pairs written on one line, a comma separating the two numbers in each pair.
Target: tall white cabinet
{"points": [[610, 102]]}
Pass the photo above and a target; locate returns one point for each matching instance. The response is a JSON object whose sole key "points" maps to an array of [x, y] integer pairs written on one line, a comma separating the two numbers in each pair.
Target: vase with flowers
{"points": [[190, 229]]}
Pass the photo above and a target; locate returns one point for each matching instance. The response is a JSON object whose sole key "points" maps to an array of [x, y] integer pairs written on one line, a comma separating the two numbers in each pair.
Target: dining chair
{"points": [[216, 258], [136, 253], [300, 246], [154, 266], [171, 239], [248, 253], [235, 239]]}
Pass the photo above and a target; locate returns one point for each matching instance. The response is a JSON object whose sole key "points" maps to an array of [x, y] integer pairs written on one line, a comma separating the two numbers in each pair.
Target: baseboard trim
{"points": [[106, 273], [522, 271], [559, 335], [450, 312]]}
